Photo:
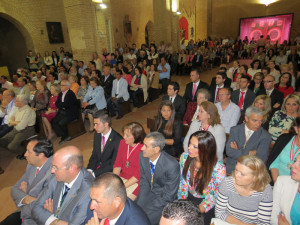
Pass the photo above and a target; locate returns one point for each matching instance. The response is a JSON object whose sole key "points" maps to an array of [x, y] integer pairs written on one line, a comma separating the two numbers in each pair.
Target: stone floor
{"points": [[14, 168]]}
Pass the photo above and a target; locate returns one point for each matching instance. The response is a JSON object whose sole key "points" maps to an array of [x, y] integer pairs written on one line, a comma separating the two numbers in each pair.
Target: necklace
{"points": [[129, 153], [202, 128], [292, 153]]}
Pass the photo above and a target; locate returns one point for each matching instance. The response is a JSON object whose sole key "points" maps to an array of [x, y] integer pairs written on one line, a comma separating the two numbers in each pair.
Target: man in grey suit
{"points": [[36, 178], [65, 200], [248, 139], [159, 177], [23, 88]]}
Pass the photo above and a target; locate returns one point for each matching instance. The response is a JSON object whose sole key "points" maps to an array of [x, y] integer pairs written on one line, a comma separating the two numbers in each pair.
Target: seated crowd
{"points": [[212, 155]]}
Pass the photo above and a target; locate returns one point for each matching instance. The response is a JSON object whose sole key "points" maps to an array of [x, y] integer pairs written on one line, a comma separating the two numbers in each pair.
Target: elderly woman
{"points": [[41, 97], [127, 162], [84, 85], [93, 101], [208, 120], [32, 88], [192, 109], [51, 112], [286, 196], [284, 151], [246, 196], [201, 173], [282, 119], [263, 102]]}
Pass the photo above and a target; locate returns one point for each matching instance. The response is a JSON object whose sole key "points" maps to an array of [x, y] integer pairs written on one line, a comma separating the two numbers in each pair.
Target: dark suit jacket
{"points": [[227, 82], [199, 63], [260, 141], [35, 185], [131, 215], [179, 105], [74, 207], [248, 98], [276, 97], [70, 105], [107, 85], [152, 198], [102, 163], [188, 94]]}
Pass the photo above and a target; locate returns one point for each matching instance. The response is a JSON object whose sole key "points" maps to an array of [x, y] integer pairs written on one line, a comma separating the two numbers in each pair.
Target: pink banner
{"points": [[277, 27]]}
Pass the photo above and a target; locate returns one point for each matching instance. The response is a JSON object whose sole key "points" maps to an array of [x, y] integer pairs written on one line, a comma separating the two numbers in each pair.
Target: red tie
{"points": [[217, 96], [194, 90], [106, 222], [37, 171], [241, 99], [103, 143]]}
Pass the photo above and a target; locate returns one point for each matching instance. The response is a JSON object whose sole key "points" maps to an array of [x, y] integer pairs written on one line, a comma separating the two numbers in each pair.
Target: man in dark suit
{"points": [[215, 88], [275, 95], [197, 60], [36, 178], [176, 99], [66, 199], [222, 69], [106, 81], [248, 139], [104, 153], [159, 177], [243, 97], [110, 203], [67, 111], [192, 87]]}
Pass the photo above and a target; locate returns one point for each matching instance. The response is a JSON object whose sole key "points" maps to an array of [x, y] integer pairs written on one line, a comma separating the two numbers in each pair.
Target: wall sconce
{"points": [[103, 6], [267, 2]]}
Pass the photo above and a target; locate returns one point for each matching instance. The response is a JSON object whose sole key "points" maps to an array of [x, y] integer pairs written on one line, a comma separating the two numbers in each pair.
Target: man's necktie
{"points": [[37, 171], [268, 92], [217, 95], [241, 99], [152, 167], [103, 143], [106, 222], [194, 90], [171, 99], [64, 195]]}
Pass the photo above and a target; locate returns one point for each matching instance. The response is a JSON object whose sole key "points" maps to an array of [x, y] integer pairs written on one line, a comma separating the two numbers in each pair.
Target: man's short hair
{"points": [[119, 71], [103, 117], [175, 85], [74, 159], [113, 186], [23, 98], [223, 75], [228, 90], [158, 140], [244, 76], [67, 83], [255, 110], [4, 77], [183, 211], [197, 71], [11, 93], [43, 146]]}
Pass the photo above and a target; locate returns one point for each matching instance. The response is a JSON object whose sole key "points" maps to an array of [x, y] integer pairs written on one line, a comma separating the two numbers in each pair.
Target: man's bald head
{"points": [[70, 155]]}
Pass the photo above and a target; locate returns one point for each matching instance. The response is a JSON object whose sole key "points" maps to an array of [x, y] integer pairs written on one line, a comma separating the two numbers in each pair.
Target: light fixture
{"points": [[267, 2], [178, 12], [97, 1], [102, 6]]}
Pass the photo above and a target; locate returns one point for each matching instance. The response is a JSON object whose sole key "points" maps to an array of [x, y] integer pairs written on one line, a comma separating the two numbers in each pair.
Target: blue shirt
{"points": [[9, 109], [295, 210], [164, 75], [95, 96]]}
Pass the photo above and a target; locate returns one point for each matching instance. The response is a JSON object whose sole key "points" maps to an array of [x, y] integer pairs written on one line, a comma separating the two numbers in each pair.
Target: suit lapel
{"points": [[147, 169], [40, 175], [56, 195], [158, 167]]}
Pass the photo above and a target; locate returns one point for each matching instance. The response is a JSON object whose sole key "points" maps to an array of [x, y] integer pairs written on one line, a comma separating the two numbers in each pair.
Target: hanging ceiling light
{"points": [[103, 6], [267, 2], [97, 1]]}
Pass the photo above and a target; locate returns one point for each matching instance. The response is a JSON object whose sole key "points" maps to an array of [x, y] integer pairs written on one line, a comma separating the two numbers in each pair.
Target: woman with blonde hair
{"points": [[74, 85], [208, 120], [41, 97], [282, 119], [263, 102], [246, 196]]}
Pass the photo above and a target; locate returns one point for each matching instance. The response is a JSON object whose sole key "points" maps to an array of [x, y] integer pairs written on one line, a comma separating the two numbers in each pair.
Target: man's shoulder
{"points": [[167, 160], [116, 134], [135, 215]]}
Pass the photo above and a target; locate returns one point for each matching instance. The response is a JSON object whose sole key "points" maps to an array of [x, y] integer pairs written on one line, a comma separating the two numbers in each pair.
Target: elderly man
{"points": [[23, 121], [36, 178], [6, 112], [110, 203], [106, 81], [67, 111], [181, 213], [248, 139], [23, 88], [229, 112], [39, 76], [159, 176], [66, 198]]}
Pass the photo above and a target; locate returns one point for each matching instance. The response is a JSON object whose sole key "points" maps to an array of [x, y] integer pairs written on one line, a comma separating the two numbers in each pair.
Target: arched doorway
{"points": [[149, 36], [184, 28], [14, 45]]}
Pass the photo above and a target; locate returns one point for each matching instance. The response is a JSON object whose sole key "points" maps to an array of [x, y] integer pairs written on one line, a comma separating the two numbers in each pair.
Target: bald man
{"points": [[66, 199]]}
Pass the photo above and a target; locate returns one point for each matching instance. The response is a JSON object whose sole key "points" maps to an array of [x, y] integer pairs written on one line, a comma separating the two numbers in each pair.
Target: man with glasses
{"points": [[275, 95], [67, 111], [36, 178], [66, 199], [229, 112]]}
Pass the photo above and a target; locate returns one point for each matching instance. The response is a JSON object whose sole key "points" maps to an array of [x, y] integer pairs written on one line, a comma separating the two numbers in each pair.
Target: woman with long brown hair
{"points": [[201, 173], [171, 128]]}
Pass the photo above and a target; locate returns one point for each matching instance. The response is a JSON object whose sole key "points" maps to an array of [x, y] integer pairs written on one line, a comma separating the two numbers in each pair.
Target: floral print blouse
{"points": [[280, 121], [210, 192]]}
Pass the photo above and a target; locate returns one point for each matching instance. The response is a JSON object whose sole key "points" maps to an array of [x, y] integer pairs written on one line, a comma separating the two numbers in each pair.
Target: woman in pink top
{"points": [[126, 75]]}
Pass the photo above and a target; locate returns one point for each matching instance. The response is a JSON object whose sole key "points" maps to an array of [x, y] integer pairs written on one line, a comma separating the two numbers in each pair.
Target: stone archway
{"points": [[149, 33], [15, 42]]}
